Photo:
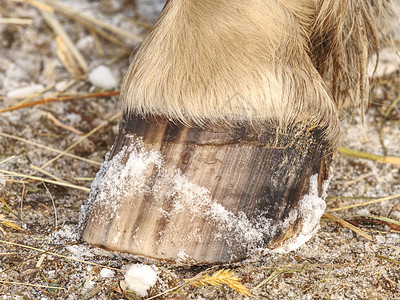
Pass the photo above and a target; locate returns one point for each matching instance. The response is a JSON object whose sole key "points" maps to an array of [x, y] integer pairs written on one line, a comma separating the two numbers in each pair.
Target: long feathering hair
{"points": [[247, 62], [344, 35]]}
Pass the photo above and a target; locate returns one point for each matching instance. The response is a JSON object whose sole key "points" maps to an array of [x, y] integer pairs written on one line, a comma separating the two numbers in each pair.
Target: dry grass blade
{"points": [[9, 208], [62, 183], [59, 31], [57, 123], [76, 15], [347, 225], [34, 285], [44, 147], [379, 158], [47, 174], [16, 21], [224, 276], [388, 259], [7, 159], [117, 115], [11, 225], [391, 107], [281, 270], [60, 255], [364, 203], [67, 58], [48, 100], [384, 219]]}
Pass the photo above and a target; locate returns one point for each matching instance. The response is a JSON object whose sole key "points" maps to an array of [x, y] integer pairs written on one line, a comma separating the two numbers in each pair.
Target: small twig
{"points": [[103, 34], [48, 100], [384, 219], [23, 195], [40, 261], [9, 208], [308, 266], [276, 273]]}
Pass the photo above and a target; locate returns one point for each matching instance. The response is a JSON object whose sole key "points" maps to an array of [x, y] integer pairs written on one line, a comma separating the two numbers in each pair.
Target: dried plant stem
{"points": [[379, 158], [274, 274], [347, 225], [48, 100], [364, 203]]}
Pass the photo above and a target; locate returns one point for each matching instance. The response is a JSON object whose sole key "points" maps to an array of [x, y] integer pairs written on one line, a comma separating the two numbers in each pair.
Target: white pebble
{"points": [[102, 77], [140, 278]]}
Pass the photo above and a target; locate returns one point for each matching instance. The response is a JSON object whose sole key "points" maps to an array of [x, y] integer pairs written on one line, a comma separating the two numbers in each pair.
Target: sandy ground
{"points": [[36, 216]]}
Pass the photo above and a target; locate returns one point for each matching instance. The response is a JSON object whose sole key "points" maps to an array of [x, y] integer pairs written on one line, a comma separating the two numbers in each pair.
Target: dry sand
{"points": [[336, 264]]}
